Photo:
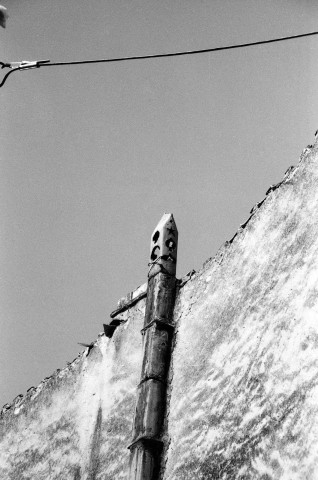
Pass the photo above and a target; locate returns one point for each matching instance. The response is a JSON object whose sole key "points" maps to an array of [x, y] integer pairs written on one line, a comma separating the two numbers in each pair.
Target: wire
{"points": [[187, 52], [47, 63]]}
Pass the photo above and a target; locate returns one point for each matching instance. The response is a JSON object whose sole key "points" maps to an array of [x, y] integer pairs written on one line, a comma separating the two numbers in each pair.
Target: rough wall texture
{"points": [[76, 424], [243, 386], [244, 394]]}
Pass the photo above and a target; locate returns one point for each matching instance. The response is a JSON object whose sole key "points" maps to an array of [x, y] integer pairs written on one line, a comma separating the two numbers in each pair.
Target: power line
{"points": [[187, 52], [46, 63]]}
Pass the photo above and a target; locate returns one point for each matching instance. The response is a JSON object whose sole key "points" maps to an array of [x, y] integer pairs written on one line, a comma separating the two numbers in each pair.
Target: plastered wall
{"points": [[244, 377], [76, 425], [243, 382]]}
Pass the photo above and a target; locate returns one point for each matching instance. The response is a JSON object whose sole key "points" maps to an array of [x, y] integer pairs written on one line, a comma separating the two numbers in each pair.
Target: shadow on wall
{"points": [[95, 447]]}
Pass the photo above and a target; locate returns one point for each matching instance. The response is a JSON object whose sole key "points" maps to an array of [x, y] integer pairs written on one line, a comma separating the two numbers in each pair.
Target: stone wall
{"points": [[77, 424], [244, 379], [243, 382]]}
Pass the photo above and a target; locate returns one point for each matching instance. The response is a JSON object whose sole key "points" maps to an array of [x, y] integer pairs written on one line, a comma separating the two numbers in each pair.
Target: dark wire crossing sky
{"points": [[92, 157], [27, 65]]}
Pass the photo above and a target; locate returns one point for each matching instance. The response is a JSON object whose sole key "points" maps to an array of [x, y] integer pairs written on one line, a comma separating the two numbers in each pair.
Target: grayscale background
{"points": [[92, 156]]}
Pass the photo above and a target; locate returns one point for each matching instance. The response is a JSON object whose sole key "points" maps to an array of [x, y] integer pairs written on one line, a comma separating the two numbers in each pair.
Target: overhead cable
{"points": [[26, 65]]}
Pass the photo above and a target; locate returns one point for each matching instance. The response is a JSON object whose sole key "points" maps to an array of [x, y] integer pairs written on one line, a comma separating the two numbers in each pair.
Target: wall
{"points": [[244, 391], [77, 424], [243, 382]]}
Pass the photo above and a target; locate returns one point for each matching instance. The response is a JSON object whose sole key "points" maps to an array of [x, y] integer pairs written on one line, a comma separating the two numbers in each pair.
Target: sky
{"points": [[92, 156]]}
